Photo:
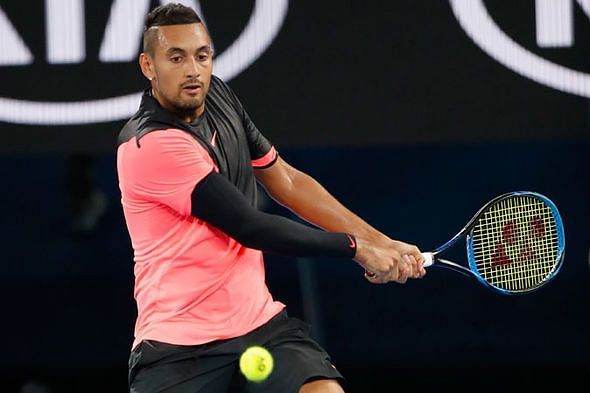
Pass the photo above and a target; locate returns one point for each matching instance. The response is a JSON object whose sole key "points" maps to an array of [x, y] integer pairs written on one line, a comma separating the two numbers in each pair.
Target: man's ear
{"points": [[147, 66]]}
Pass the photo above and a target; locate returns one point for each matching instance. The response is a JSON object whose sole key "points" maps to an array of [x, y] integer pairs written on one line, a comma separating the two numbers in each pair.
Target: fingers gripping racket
{"points": [[515, 243]]}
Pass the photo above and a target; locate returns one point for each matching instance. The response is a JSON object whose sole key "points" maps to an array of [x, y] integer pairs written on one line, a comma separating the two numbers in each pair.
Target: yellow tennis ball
{"points": [[256, 363]]}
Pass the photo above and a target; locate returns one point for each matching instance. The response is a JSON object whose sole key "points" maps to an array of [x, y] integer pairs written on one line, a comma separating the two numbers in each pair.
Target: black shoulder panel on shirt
{"points": [[149, 117], [152, 117]]}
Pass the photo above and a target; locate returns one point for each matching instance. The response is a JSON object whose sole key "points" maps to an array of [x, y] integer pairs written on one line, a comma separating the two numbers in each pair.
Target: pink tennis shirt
{"points": [[193, 283]]}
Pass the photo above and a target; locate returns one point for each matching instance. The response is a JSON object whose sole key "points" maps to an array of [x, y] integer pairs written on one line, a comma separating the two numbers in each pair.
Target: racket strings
{"points": [[515, 276], [510, 275], [515, 243]]}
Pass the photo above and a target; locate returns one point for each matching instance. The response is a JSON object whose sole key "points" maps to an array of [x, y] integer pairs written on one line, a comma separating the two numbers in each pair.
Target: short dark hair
{"points": [[166, 15]]}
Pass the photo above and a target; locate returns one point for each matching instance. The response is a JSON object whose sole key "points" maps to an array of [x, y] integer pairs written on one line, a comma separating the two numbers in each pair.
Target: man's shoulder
{"points": [[142, 124], [222, 94], [158, 134], [217, 82], [128, 131], [164, 148]]}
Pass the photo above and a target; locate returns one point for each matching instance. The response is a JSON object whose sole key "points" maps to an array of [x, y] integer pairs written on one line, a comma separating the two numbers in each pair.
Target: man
{"points": [[188, 162]]}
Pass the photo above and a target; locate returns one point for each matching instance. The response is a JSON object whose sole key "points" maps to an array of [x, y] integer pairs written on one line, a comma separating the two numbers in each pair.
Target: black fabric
{"points": [[219, 203], [224, 129], [213, 367]]}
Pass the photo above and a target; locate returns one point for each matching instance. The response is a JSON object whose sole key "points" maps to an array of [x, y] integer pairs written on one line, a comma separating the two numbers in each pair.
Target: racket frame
{"points": [[433, 259]]}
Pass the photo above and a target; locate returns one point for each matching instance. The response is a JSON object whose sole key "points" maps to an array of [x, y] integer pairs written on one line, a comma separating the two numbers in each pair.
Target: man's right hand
{"points": [[397, 262]]}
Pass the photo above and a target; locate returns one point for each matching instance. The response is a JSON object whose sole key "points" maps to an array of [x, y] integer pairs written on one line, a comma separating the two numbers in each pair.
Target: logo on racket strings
{"points": [[517, 240]]}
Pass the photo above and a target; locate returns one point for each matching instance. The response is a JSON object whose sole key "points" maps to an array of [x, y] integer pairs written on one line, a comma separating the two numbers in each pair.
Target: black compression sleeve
{"points": [[218, 202]]}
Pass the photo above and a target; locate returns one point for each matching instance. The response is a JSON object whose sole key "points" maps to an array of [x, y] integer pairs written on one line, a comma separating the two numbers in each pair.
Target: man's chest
{"points": [[224, 137]]}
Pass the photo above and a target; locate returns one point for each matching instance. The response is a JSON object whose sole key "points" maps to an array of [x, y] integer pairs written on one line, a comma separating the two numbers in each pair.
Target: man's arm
{"points": [[219, 203], [307, 198]]}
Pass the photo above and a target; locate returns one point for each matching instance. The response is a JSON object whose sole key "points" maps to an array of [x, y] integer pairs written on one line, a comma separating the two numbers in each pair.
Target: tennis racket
{"points": [[515, 244]]}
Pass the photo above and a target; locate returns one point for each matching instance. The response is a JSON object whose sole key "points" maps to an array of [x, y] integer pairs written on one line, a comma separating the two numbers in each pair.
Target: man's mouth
{"points": [[192, 88]]}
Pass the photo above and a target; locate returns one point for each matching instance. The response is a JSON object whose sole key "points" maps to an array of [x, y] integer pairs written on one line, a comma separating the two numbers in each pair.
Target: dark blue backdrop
{"points": [[400, 115], [68, 297]]}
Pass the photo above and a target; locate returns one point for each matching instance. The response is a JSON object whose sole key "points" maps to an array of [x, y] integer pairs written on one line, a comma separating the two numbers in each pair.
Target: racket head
{"points": [[516, 243]]}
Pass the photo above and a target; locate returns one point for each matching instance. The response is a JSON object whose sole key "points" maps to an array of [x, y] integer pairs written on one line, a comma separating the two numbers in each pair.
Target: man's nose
{"points": [[193, 70]]}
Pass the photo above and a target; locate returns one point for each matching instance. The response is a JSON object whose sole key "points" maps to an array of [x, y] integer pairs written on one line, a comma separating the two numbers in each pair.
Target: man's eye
{"points": [[176, 59], [203, 57]]}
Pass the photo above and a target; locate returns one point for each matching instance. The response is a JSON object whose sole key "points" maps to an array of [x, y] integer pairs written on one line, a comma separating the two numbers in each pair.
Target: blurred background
{"points": [[413, 113]]}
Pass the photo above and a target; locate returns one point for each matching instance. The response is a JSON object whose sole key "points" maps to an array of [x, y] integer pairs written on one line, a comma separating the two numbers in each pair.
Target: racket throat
{"points": [[455, 266]]}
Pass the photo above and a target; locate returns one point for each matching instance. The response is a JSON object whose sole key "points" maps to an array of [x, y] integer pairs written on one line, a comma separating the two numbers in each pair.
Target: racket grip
{"points": [[428, 259]]}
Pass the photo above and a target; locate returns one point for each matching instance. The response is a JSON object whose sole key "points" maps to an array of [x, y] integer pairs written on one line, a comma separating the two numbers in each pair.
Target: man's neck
{"points": [[188, 116]]}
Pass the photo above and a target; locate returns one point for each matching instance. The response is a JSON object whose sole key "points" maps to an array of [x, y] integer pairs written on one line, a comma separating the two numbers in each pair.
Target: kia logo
{"points": [[65, 45], [554, 19]]}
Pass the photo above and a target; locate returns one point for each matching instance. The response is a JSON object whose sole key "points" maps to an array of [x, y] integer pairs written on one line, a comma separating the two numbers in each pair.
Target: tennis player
{"points": [[188, 162]]}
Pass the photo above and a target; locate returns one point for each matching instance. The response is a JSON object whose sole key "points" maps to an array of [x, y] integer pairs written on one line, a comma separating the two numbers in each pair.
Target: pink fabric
{"points": [[193, 283], [266, 159]]}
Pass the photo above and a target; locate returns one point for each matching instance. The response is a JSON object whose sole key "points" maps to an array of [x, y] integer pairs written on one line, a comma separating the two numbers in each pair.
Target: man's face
{"points": [[181, 68]]}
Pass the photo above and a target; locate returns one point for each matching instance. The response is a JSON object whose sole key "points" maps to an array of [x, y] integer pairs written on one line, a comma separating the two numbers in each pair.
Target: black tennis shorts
{"points": [[213, 367]]}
